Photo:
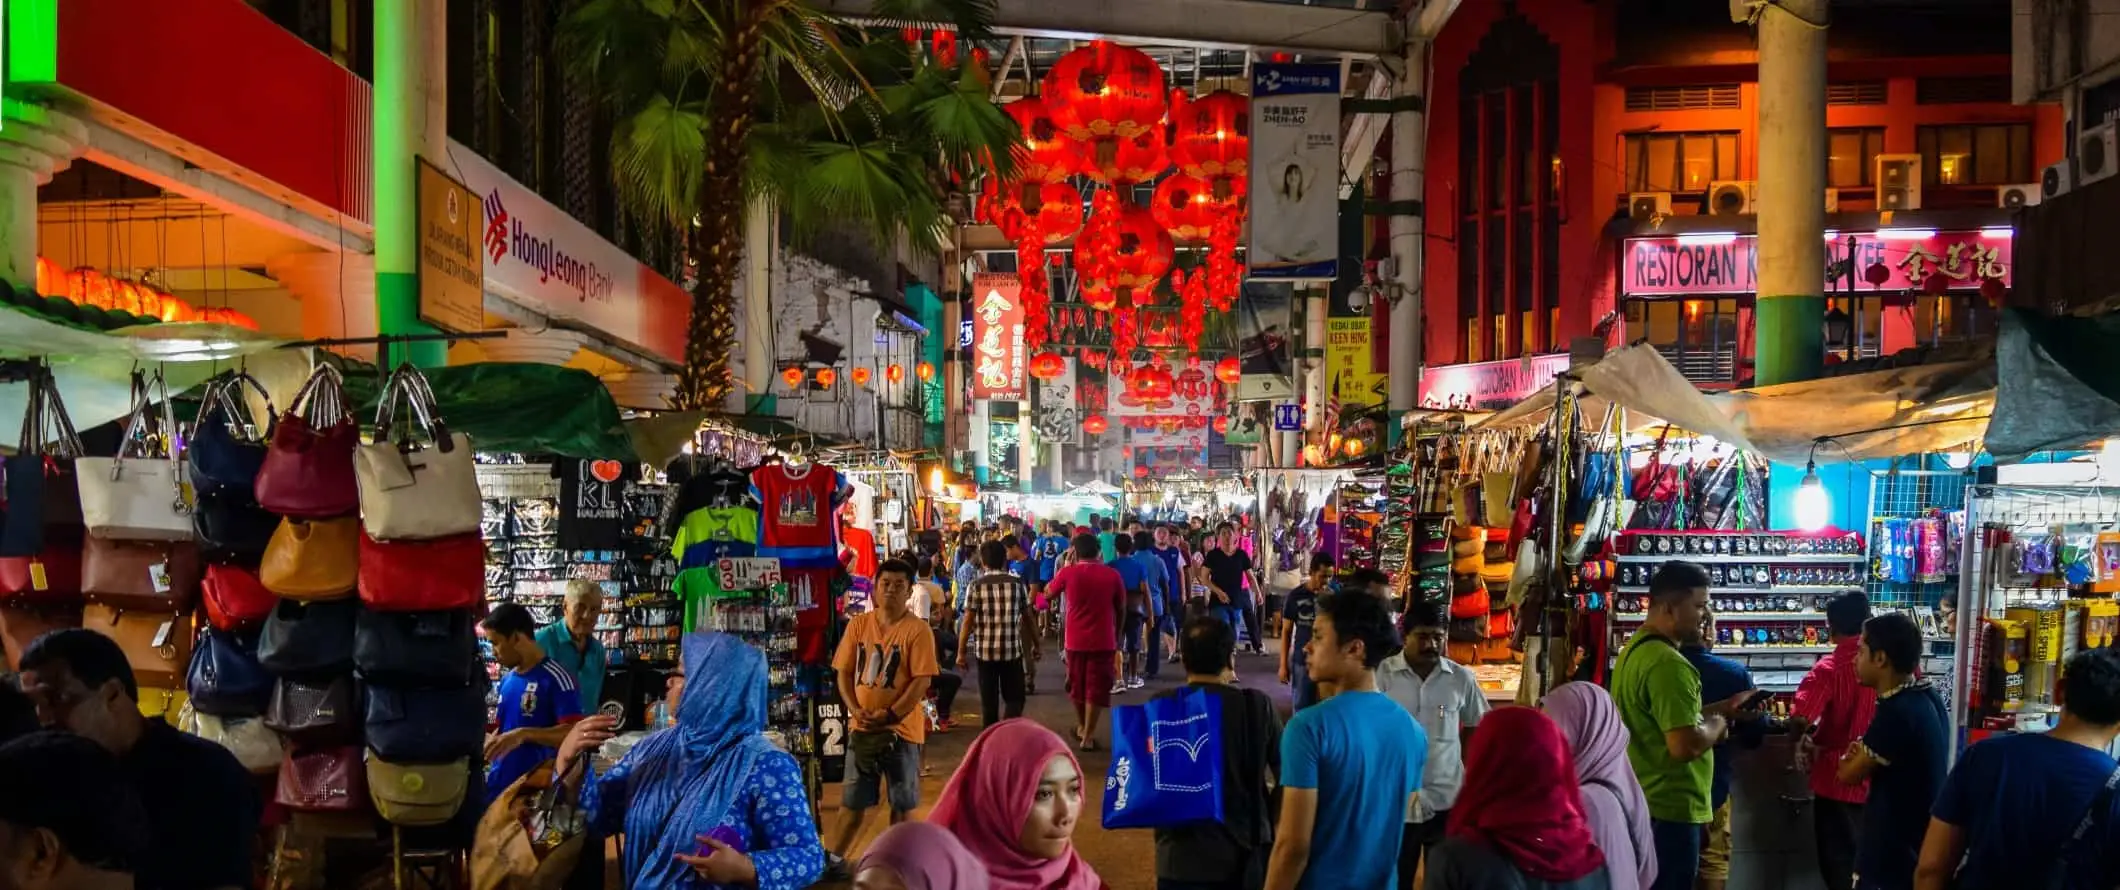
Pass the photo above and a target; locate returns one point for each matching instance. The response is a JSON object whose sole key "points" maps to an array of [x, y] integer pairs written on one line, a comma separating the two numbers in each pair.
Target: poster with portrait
{"points": [[1295, 171], [1059, 417]]}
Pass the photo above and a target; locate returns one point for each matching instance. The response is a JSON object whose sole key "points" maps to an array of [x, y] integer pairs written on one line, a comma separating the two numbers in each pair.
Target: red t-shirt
{"points": [[798, 515], [1833, 698], [1094, 596]]}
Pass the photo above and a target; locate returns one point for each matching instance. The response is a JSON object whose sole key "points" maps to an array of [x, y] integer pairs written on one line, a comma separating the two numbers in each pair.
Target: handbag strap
{"points": [[410, 383], [139, 428], [44, 419], [322, 398], [224, 395]]}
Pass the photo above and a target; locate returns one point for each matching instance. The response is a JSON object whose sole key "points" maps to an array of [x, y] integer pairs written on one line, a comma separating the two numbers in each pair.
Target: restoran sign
{"points": [[1489, 386], [1689, 265]]}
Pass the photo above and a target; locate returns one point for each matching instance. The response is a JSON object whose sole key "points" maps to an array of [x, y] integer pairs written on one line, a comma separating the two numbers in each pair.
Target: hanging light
{"points": [[1355, 447], [896, 372], [1096, 424], [1229, 371], [1814, 507], [792, 376], [925, 370], [1222, 424], [826, 377], [1140, 471], [861, 376], [1048, 366]]}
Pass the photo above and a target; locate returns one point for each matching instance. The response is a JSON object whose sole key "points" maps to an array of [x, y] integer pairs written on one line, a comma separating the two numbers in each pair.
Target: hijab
{"points": [[926, 856], [1591, 725], [991, 794], [685, 778], [1520, 799]]}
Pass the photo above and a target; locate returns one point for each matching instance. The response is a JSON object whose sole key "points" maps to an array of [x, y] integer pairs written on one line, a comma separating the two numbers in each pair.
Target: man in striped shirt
{"points": [[996, 631]]}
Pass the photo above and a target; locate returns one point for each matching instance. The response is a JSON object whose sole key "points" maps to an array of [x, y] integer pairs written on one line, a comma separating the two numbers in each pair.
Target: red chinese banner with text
{"points": [[997, 351]]}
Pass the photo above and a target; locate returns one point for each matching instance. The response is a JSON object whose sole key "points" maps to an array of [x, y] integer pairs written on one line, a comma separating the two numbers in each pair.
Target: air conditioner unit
{"points": [[1898, 179], [2097, 154], [1644, 205], [2023, 194], [1731, 197], [2059, 179], [1832, 200]]}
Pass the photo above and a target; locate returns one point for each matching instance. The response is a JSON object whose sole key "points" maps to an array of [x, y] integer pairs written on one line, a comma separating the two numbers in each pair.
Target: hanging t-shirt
{"points": [[592, 502], [798, 521], [860, 546], [711, 534]]}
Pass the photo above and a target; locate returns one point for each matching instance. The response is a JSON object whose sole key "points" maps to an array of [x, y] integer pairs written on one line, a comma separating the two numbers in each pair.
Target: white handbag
{"points": [[259, 749], [414, 489], [145, 496]]}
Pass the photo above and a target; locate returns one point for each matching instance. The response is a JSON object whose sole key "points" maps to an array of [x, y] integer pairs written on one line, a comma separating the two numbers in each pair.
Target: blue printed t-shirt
{"points": [[1721, 678], [1047, 552], [1173, 560], [1300, 609], [1363, 754], [1910, 736], [1158, 583], [2019, 798], [541, 697], [1131, 577]]}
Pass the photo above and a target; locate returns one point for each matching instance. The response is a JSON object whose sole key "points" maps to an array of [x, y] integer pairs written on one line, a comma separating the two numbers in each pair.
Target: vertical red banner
{"points": [[998, 362]]}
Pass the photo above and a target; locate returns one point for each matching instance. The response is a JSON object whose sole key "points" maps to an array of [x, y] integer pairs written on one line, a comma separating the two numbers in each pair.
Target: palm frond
{"points": [[971, 19], [659, 157]]}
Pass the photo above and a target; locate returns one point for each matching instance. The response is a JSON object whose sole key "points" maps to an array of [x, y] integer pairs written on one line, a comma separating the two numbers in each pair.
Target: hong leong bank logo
{"points": [[507, 237]]}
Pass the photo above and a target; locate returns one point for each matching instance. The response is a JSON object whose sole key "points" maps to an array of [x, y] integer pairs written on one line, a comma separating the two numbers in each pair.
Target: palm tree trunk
{"points": [[717, 241]]}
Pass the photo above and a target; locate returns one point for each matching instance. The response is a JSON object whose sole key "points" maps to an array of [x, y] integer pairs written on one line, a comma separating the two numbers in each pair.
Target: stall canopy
{"points": [[2060, 387], [1860, 416]]}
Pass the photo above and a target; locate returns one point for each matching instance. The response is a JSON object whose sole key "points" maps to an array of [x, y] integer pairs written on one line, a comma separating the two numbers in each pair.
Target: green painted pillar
{"points": [[1788, 332], [929, 306], [410, 119]]}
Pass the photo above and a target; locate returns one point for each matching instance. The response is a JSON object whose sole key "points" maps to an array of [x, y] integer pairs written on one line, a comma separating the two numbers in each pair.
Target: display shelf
{"points": [[1746, 559], [1790, 590], [1738, 617], [1772, 650]]}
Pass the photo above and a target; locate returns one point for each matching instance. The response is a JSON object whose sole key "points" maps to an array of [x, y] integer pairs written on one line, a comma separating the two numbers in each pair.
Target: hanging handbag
{"points": [[418, 795], [144, 496], [308, 469], [426, 725], [323, 780], [40, 488], [415, 490], [235, 599], [318, 710], [255, 745], [230, 527], [225, 450], [225, 679], [156, 644], [313, 559], [159, 575], [415, 649], [53, 574], [22, 623], [423, 576], [309, 638]]}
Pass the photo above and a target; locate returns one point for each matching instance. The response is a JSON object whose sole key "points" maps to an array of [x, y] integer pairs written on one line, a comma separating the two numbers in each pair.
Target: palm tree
{"points": [[721, 102]]}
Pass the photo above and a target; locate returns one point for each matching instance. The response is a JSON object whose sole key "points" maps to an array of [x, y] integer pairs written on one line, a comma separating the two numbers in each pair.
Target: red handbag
{"points": [[323, 780], [53, 574], [441, 575], [235, 598], [1471, 605], [308, 469]]}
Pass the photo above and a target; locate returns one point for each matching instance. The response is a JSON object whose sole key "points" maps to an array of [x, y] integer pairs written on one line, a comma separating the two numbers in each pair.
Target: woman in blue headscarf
{"points": [[708, 802]]}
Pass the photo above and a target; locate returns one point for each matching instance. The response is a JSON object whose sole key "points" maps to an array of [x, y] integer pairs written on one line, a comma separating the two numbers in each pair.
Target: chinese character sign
{"points": [[1295, 171], [1349, 345], [998, 362], [1684, 267]]}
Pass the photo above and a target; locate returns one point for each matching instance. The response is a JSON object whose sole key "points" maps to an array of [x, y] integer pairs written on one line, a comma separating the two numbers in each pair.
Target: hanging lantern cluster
{"points": [[85, 286]]}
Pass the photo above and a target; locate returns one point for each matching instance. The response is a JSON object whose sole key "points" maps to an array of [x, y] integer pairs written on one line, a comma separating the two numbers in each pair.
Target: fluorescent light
{"points": [[1708, 238], [1998, 232], [1832, 234], [1906, 234]]}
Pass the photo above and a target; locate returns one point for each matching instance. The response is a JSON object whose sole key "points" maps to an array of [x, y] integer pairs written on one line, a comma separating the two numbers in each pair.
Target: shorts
{"points": [[1715, 854], [900, 777], [1089, 678], [1131, 642]]}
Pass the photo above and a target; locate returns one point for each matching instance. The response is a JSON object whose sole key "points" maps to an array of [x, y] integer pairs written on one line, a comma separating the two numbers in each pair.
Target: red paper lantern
{"points": [[1140, 471], [1103, 92], [1141, 252], [944, 45], [1057, 217], [1993, 291], [1184, 208], [861, 376], [1222, 424], [1211, 139], [1095, 425], [792, 377], [1877, 274], [1047, 155], [926, 370], [895, 373], [1229, 371], [1047, 366], [1141, 158], [826, 377]]}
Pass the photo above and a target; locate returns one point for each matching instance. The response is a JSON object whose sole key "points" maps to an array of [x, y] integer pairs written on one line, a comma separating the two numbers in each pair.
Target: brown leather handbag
{"points": [[22, 623], [323, 780], [313, 560], [157, 644], [159, 575]]}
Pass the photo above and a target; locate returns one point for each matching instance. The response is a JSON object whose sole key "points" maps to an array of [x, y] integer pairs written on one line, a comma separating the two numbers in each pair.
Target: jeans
{"points": [[1228, 614], [1254, 629], [1000, 681], [1154, 666], [1414, 842], [1834, 826], [1302, 690], [1677, 854], [946, 684]]}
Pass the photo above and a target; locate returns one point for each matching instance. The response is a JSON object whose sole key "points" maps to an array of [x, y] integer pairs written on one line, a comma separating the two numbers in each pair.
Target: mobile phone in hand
{"points": [[1757, 700]]}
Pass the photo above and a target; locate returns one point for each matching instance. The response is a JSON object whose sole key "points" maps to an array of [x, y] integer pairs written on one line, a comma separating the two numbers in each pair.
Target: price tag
{"points": [[749, 573], [38, 581], [158, 575]]}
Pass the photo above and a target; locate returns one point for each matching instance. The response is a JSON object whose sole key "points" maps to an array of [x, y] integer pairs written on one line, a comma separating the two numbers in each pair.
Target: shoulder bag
{"points": [[156, 644], [226, 449], [22, 623], [225, 679], [235, 599], [141, 497], [40, 489], [308, 468], [323, 780], [141, 574], [426, 725], [255, 746], [313, 559], [414, 489], [54, 574], [418, 795], [231, 527], [309, 638], [507, 853], [415, 649], [2056, 875], [423, 576], [315, 711]]}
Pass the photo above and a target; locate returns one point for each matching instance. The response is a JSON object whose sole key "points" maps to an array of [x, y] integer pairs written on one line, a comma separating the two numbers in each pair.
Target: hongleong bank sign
{"points": [[1704, 264]]}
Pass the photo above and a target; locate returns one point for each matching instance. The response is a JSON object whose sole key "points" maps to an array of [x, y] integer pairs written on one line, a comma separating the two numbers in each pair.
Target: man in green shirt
{"points": [[1671, 736]]}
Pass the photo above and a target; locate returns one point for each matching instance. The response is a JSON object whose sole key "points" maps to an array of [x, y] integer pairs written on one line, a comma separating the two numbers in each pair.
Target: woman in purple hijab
{"points": [[1612, 796]]}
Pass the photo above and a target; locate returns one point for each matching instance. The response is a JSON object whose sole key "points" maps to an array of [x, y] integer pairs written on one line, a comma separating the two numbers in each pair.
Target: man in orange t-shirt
{"points": [[885, 662]]}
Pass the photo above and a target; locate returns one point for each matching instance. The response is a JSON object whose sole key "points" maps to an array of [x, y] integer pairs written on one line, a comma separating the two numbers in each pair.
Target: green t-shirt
{"points": [[1658, 690]]}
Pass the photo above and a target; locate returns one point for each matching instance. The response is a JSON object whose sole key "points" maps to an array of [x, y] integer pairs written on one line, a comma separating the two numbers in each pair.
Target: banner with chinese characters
{"points": [[1698, 265], [997, 337], [1350, 363], [1059, 418], [1295, 171]]}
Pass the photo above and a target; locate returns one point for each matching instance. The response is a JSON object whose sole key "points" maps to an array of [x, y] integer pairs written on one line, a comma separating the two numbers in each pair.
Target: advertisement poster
{"points": [[1197, 400], [997, 337], [1002, 441], [1349, 362], [1265, 332], [1058, 418], [1295, 171]]}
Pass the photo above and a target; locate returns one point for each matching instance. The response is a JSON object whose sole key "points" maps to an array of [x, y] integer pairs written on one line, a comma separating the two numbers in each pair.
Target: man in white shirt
{"points": [[1445, 698]]}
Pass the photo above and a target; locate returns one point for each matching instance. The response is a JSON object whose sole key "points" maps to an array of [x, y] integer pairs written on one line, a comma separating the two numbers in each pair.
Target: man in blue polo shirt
{"points": [[539, 700], [1134, 576], [572, 642]]}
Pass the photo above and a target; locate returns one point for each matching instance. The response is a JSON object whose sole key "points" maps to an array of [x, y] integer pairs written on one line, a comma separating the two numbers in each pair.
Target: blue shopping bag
{"points": [[1166, 767]]}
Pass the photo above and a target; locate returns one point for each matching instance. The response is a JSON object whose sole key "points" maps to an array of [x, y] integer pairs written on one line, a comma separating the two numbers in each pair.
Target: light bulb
{"points": [[1814, 507], [1958, 460]]}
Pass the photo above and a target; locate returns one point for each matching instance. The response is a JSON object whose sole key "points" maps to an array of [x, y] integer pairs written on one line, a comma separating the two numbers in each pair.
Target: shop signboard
{"points": [[1295, 171], [542, 259], [452, 272], [998, 362], [1058, 418], [1350, 359], [1487, 386], [1702, 265]]}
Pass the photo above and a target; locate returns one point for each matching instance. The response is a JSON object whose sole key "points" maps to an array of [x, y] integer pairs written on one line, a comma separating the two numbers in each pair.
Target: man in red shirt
{"points": [[1095, 598], [1833, 708]]}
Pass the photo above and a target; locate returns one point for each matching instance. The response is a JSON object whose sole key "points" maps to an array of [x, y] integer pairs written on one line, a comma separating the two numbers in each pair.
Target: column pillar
{"points": [[410, 121], [35, 142], [1409, 142], [757, 321], [1788, 340]]}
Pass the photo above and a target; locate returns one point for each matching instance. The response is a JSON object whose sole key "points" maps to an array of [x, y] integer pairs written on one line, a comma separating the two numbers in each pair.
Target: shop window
{"points": [[1975, 154], [1714, 95], [1851, 156], [1680, 162], [1698, 336], [1507, 196]]}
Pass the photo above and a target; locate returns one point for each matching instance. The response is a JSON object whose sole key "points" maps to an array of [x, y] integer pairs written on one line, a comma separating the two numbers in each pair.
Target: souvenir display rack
{"points": [[764, 617], [1768, 590]]}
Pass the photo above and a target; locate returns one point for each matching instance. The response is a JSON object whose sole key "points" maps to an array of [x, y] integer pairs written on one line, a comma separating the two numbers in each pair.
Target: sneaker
{"points": [[836, 868], [1136, 683], [1119, 687]]}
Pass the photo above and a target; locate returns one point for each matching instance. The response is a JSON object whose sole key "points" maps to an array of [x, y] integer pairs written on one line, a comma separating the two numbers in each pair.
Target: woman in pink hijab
{"points": [[919, 856], [1013, 803], [1612, 797]]}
